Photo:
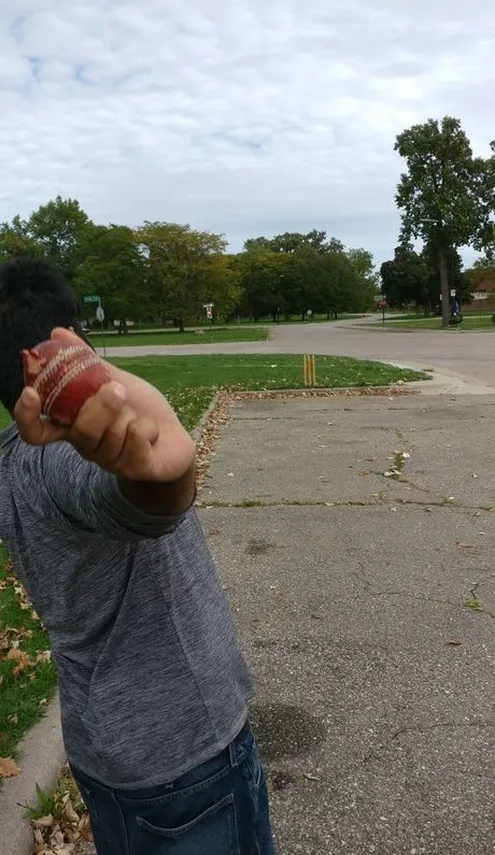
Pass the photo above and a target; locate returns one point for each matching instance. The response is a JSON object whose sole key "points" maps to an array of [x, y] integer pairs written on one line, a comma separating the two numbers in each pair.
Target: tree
{"points": [[263, 282], [182, 265], [58, 228], [446, 194], [15, 239], [113, 268], [290, 242], [405, 279]]}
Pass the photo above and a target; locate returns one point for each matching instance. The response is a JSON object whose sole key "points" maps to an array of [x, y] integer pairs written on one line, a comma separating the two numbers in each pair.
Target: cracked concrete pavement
{"points": [[366, 607]]}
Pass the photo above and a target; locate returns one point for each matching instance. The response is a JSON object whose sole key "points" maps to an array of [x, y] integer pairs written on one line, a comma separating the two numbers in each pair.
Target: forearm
{"points": [[161, 497]]}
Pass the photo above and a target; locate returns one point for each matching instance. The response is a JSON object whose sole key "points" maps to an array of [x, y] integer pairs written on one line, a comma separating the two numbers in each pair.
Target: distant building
{"points": [[483, 289]]}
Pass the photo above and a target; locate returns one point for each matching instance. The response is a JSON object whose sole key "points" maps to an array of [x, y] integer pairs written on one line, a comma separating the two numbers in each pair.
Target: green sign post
{"points": [[92, 298]]}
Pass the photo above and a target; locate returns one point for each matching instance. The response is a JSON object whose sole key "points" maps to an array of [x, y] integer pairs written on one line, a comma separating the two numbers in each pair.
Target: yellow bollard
{"points": [[309, 370]]}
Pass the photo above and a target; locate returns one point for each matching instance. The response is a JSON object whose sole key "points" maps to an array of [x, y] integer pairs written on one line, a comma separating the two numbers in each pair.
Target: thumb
{"points": [[64, 335]]}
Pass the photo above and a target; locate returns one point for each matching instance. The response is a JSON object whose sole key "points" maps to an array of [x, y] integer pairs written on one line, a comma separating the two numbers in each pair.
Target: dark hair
{"points": [[34, 298]]}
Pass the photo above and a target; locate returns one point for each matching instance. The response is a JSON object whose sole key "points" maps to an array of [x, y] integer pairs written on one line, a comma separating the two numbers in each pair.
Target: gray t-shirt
{"points": [[152, 681]]}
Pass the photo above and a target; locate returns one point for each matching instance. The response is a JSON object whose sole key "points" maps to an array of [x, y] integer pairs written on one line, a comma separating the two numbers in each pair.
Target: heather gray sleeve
{"points": [[88, 498]]}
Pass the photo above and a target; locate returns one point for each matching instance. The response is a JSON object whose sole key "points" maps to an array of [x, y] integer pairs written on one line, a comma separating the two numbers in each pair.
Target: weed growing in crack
{"points": [[398, 462]]}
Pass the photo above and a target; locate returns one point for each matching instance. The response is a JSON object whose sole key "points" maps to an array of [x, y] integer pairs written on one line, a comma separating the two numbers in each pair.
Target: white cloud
{"points": [[247, 117]]}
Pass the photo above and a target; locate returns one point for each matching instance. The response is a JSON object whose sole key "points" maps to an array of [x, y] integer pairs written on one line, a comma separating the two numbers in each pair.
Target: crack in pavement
{"points": [[379, 501], [421, 598], [446, 725]]}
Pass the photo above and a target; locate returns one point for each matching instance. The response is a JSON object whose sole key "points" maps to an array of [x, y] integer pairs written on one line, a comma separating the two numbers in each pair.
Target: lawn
{"points": [[189, 383], [210, 335], [470, 322]]}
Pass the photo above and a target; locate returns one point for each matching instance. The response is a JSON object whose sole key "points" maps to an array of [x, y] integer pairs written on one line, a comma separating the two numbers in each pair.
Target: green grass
{"points": [[23, 697], [189, 381], [470, 322], [173, 337]]}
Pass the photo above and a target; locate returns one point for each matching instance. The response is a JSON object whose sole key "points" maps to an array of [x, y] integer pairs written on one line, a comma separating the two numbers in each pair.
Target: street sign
{"points": [[100, 314], [208, 307], [92, 298], [452, 292]]}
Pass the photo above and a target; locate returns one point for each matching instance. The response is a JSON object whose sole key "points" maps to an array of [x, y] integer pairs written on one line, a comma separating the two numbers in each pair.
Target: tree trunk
{"points": [[328, 315], [181, 324], [444, 286]]}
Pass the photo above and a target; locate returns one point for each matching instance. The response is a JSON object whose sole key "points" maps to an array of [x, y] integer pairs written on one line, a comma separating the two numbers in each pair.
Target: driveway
{"points": [[366, 607]]}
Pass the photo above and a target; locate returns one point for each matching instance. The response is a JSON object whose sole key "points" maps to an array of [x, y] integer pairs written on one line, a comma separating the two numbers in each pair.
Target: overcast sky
{"points": [[242, 116]]}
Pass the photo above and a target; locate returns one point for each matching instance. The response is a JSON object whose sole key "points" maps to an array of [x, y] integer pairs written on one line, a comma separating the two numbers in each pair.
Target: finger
{"points": [[96, 416], [111, 445], [34, 428], [138, 458], [66, 336]]}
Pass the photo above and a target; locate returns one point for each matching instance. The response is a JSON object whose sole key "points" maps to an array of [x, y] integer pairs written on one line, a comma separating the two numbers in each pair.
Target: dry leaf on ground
{"points": [[8, 768], [21, 659]]}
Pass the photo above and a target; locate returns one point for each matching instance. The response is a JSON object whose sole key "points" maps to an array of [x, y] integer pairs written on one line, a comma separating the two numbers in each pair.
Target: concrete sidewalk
{"points": [[366, 607]]}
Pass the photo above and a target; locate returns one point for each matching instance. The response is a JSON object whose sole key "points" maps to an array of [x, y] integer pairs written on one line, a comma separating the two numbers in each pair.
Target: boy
{"points": [[99, 522]]}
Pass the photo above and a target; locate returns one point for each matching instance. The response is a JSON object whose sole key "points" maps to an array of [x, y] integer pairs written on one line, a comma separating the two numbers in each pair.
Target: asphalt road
{"points": [[469, 356]]}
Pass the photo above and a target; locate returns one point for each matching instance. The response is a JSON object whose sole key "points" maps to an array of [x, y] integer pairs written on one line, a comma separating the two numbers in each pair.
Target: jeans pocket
{"points": [[212, 832]]}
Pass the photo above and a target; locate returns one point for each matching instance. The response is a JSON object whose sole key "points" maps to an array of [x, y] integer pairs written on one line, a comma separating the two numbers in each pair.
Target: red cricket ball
{"points": [[65, 376]]}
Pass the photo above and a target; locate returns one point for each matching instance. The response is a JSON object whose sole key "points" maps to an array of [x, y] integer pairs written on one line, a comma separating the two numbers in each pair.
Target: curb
{"points": [[198, 430], [41, 757]]}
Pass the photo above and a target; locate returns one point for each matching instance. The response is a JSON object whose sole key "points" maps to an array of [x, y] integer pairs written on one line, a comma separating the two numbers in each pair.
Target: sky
{"points": [[245, 117]]}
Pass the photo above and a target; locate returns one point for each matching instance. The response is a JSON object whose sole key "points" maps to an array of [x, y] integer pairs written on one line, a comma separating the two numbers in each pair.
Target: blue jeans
{"points": [[219, 808]]}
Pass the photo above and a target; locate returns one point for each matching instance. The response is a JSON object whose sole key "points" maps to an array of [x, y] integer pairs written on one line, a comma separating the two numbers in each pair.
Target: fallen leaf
{"points": [[70, 813], [13, 719], [215, 531], [453, 642], [22, 659], [8, 768], [43, 821], [461, 545], [310, 777], [364, 472]]}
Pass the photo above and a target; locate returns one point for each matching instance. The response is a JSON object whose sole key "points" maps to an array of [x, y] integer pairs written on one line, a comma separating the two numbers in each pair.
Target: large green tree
{"points": [[112, 267], [15, 239], [263, 279], [446, 195], [405, 279], [58, 228], [184, 270]]}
